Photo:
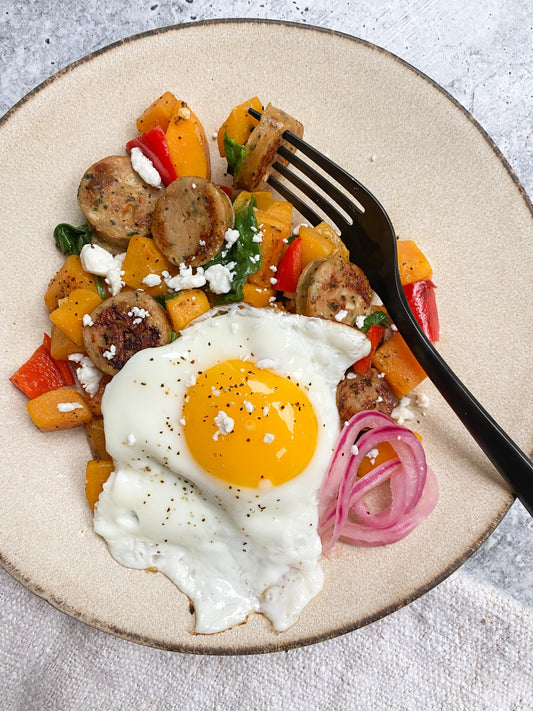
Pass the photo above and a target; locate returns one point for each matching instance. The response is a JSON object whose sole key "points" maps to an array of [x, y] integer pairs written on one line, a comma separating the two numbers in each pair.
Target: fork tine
{"points": [[319, 200], [309, 214], [331, 190], [347, 181]]}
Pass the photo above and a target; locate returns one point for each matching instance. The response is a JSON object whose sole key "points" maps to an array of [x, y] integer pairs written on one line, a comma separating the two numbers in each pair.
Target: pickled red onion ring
{"points": [[343, 514]]}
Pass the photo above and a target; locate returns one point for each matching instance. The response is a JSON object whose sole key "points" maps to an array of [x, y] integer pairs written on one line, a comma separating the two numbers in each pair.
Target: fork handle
{"points": [[510, 461]]}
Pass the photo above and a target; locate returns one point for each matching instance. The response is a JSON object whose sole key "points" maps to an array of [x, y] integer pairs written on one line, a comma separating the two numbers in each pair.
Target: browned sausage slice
{"points": [[121, 326], [116, 202], [357, 392], [263, 144], [190, 221], [333, 289]]}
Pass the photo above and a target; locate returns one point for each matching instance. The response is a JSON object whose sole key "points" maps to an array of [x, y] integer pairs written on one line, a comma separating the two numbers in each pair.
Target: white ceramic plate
{"points": [[444, 184]]}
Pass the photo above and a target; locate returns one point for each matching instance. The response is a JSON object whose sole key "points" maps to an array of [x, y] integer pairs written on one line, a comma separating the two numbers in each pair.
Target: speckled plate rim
{"points": [[62, 605]]}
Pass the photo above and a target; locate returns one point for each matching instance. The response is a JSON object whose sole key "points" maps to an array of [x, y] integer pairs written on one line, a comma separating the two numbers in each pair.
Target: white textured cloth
{"points": [[464, 645]]}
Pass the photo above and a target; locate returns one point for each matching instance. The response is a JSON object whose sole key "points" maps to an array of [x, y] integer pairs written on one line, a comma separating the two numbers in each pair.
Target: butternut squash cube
{"points": [[321, 242], [257, 295], [71, 276], [187, 143], [186, 306], [157, 114], [144, 258], [96, 438], [239, 124], [96, 474], [412, 264], [61, 346], [275, 225], [402, 370], [59, 409], [68, 317]]}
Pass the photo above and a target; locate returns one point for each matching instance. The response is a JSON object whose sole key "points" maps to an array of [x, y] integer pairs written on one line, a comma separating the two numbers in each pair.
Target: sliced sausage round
{"points": [[357, 392], [262, 146], [121, 326], [190, 221], [116, 202], [333, 289]]}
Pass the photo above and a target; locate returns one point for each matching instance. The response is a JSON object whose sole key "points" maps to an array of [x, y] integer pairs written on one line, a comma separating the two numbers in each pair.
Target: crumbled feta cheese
{"points": [[201, 242], [220, 277], [87, 320], [401, 413], [185, 279], [265, 411], [271, 299], [393, 327], [111, 353], [144, 168], [268, 438], [68, 406], [88, 374], [257, 238], [360, 321], [354, 450], [184, 112], [224, 424], [372, 454], [97, 260], [350, 376], [422, 401], [131, 440], [341, 315], [138, 313], [193, 185], [231, 236], [273, 268], [214, 391], [273, 280], [249, 406], [152, 280]]}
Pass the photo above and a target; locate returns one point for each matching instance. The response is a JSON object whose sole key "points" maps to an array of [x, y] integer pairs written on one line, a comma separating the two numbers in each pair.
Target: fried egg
{"points": [[220, 442]]}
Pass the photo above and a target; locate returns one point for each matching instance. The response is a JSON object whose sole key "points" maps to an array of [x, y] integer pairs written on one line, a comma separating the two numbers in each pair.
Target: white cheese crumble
{"points": [[360, 321], [152, 280], [97, 260], [372, 454], [258, 238], [341, 315], [350, 376], [87, 320], [185, 279], [88, 374], [248, 406], [224, 423], [273, 280], [265, 411], [401, 413], [144, 168], [220, 277], [138, 314], [268, 438], [214, 391], [354, 450], [68, 406], [231, 236], [111, 353], [422, 401], [131, 439]]}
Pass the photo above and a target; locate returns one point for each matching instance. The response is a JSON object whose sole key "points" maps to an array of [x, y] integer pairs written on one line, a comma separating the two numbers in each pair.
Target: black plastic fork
{"points": [[368, 233]]}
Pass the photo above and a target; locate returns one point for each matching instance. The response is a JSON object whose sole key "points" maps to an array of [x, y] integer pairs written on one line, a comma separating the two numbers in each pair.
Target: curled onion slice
{"points": [[343, 514]]}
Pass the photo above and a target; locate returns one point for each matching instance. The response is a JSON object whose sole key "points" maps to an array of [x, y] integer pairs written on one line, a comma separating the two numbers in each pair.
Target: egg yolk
{"points": [[245, 424]]}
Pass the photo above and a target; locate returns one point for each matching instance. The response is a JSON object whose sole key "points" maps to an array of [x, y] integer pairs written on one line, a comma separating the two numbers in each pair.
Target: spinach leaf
{"points": [[69, 239], [244, 253], [235, 154], [377, 318]]}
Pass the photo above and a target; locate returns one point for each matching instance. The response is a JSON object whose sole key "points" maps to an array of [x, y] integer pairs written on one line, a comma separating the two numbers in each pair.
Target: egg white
{"points": [[232, 550]]}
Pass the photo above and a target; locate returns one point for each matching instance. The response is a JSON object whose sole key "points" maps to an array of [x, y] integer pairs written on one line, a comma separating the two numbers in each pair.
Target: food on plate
{"points": [[241, 386], [190, 221], [116, 201], [121, 326]]}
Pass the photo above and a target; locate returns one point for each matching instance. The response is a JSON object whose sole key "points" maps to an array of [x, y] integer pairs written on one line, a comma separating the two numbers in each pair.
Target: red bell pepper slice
{"points": [[226, 189], [155, 147], [290, 267], [374, 334], [42, 373], [420, 296]]}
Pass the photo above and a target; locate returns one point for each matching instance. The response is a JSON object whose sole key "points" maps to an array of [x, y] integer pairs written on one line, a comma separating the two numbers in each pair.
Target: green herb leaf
{"points": [[377, 318], [100, 287], [173, 337], [69, 239], [163, 298], [244, 253], [235, 154]]}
